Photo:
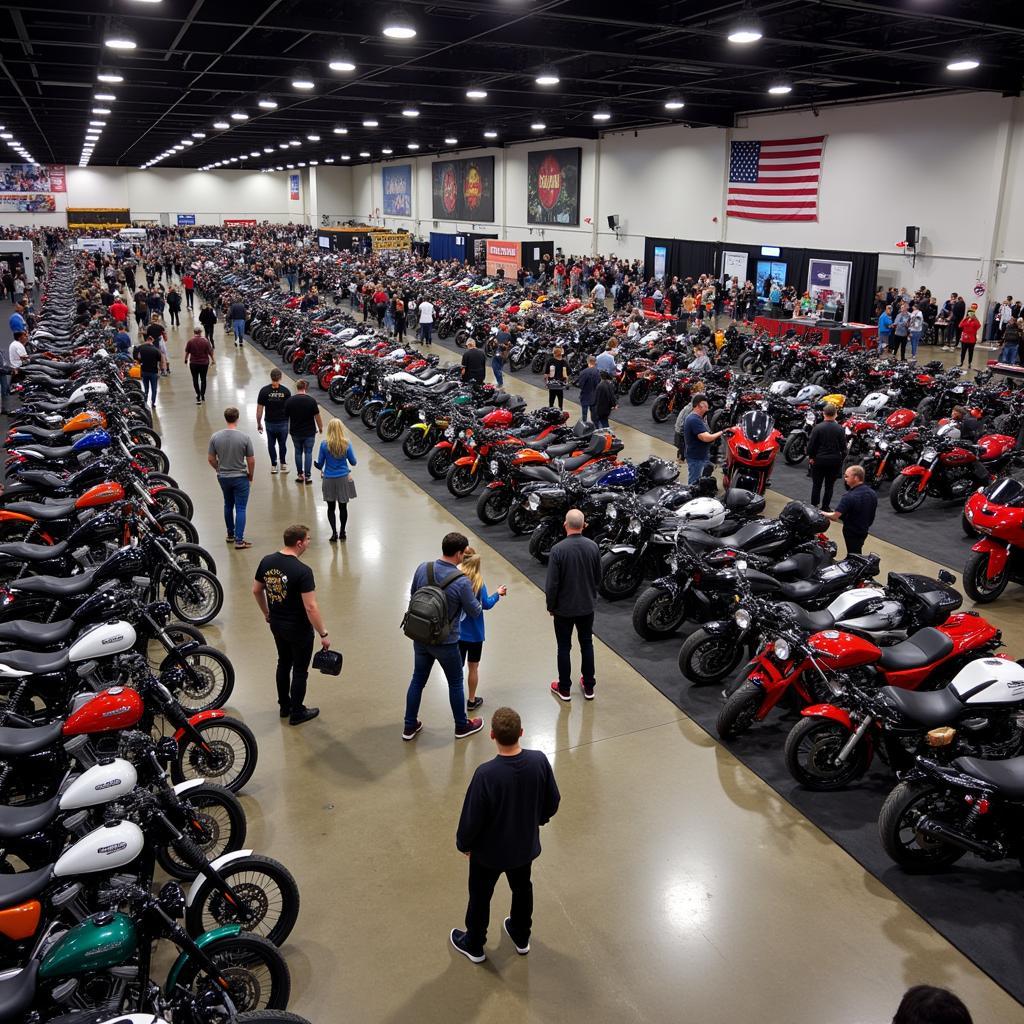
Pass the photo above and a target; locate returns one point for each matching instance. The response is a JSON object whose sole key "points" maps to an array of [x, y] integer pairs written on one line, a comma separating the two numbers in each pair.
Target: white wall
{"points": [[330, 190]]}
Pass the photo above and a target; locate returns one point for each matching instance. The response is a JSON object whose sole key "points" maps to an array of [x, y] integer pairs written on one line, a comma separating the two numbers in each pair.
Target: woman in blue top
{"points": [[333, 460], [471, 631]]}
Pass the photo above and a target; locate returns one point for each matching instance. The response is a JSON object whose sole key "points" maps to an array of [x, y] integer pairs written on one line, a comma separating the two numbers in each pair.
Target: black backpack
{"points": [[426, 618]]}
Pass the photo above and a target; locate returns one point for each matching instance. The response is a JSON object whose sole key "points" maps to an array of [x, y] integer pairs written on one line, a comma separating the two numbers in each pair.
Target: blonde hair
{"points": [[337, 440], [470, 566]]}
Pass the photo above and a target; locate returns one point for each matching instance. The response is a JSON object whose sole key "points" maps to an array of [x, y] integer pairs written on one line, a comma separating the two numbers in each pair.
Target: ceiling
{"points": [[198, 61]]}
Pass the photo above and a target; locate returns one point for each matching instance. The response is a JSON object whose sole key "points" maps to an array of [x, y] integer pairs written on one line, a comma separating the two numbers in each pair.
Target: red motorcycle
{"points": [[997, 513], [800, 667], [751, 450]]}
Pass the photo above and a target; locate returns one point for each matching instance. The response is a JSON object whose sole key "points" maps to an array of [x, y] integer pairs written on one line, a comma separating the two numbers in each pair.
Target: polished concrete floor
{"points": [[674, 884]]}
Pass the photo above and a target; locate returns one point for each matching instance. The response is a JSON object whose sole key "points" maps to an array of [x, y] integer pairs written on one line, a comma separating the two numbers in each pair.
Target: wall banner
{"points": [[734, 264], [396, 184], [293, 186], [386, 240], [32, 178], [246, 222], [463, 189], [58, 177], [186, 220], [505, 256], [28, 203], [553, 186]]}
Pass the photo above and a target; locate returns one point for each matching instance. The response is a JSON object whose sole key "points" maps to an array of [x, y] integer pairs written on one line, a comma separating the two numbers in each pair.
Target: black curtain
{"points": [[683, 257]]}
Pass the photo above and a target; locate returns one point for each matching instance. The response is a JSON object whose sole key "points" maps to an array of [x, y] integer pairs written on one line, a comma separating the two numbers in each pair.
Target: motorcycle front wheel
{"points": [[638, 392], [416, 444], [354, 402], [439, 462], [542, 540], [217, 826], [979, 587], [519, 521], [493, 505], [207, 680], [795, 449], [173, 499], [269, 900], [707, 658], [177, 528], [810, 752], [621, 575], [151, 458], [740, 710], [227, 755], [657, 614], [196, 596], [906, 495], [904, 807], [660, 410], [371, 413], [461, 481], [389, 426], [256, 972], [193, 554]]}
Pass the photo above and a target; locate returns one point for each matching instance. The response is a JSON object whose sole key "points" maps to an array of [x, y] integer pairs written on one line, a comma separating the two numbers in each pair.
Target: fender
{"points": [[14, 517], [222, 861], [420, 426], [466, 460], [922, 472], [622, 549], [669, 585], [831, 712], [224, 932], [184, 787], [998, 555], [203, 716], [445, 444], [495, 485]]}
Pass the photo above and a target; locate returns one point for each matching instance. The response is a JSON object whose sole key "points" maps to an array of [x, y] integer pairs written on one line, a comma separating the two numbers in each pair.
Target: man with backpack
{"points": [[439, 594]]}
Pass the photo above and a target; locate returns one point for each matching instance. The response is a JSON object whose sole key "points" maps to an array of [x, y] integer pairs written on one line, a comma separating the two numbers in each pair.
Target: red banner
{"points": [[249, 222], [58, 177], [503, 255]]}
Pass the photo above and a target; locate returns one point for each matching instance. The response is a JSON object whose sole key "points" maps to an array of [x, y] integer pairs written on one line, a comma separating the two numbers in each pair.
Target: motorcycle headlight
{"points": [[742, 618], [449, 433], [928, 454], [612, 513], [533, 502], [366, 379], [782, 649], [669, 385], [422, 415], [883, 445], [809, 419], [462, 433], [494, 465], [634, 525]]}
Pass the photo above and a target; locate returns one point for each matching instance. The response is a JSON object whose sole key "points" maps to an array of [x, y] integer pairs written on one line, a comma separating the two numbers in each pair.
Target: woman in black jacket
{"points": [[605, 400]]}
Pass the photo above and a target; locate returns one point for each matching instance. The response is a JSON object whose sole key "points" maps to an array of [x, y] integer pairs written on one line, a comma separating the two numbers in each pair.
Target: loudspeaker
{"points": [[913, 235], [613, 221]]}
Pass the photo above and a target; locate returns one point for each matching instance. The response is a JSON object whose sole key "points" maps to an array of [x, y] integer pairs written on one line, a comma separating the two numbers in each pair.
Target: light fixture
{"points": [[547, 76], [780, 89], [313, 138], [602, 114], [199, 135], [387, 151], [398, 26], [490, 133], [267, 104], [221, 125], [341, 62], [746, 29], [109, 76], [179, 147], [674, 103], [476, 94], [340, 131], [413, 145], [294, 142], [963, 64], [364, 153], [119, 40], [239, 115], [303, 80], [187, 142], [6, 135], [98, 124], [410, 112], [314, 163], [291, 167], [451, 140], [329, 160], [282, 145], [302, 163], [106, 97], [101, 110], [371, 123], [268, 149], [538, 125], [345, 156]]}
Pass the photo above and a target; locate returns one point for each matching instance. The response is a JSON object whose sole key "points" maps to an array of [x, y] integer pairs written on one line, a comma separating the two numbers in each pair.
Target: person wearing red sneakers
{"points": [[508, 800], [574, 571]]}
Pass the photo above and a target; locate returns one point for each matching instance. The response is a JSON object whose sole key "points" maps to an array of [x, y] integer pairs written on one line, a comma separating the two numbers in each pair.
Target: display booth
{"points": [[362, 239], [508, 257]]}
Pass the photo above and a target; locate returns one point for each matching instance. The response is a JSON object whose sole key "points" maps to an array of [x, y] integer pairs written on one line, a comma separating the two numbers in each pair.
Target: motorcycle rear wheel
{"points": [[257, 974], [906, 805], [707, 658], [810, 751], [739, 712]]}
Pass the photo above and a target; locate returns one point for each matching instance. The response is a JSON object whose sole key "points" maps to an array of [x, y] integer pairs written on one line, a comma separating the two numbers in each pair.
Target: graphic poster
{"points": [[293, 186], [463, 189], [28, 203], [828, 281], [553, 186], [32, 178], [396, 184], [505, 256], [58, 177]]}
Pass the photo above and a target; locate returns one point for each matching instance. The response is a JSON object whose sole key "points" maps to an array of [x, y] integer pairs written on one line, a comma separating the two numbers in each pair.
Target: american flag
{"points": [[776, 179]]}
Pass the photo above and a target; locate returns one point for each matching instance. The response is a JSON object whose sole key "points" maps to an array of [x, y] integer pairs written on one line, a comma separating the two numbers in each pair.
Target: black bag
{"points": [[328, 662], [426, 619]]}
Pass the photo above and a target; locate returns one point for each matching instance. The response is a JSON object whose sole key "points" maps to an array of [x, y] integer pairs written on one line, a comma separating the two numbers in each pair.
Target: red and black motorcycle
{"points": [[997, 513], [751, 449]]}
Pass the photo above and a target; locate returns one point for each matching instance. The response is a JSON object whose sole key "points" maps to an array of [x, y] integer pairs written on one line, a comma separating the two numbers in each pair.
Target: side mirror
{"points": [[945, 576]]}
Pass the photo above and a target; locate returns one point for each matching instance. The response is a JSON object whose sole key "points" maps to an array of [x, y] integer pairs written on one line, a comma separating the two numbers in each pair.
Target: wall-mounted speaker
{"points": [[913, 235], [613, 221]]}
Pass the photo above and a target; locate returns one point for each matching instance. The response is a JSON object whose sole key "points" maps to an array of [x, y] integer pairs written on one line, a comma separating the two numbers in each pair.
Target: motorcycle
{"points": [[751, 450], [997, 513]]}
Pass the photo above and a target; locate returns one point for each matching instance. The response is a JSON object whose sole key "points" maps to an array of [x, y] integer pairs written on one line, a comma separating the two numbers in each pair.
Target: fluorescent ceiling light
{"points": [[398, 26], [303, 80], [413, 145], [302, 163], [490, 133], [254, 152], [345, 156], [6, 135], [547, 76], [450, 140], [267, 104], [177, 147], [313, 138], [329, 160], [341, 62], [674, 103], [602, 114], [294, 142], [538, 126], [370, 123], [221, 125], [119, 42], [187, 142], [98, 124], [282, 145], [340, 131], [239, 115], [963, 64], [106, 97], [780, 89], [101, 110], [410, 112], [109, 76], [314, 163], [199, 135], [268, 149], [387, 151], [364, 153], [476, 94]]}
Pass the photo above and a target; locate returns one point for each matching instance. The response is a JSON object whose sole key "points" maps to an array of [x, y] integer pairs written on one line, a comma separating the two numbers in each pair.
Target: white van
{"points": [[133, 233], [205, 243]]}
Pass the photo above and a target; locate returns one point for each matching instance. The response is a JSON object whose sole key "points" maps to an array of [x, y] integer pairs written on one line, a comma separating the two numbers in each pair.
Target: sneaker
{"points": [[284, 467], [476, 702], [408, 734], [273, 469], [298, 478], [558, 693], [521, 950], [303, 715], [458, 940], [588, 691], [199, 401], [309, 480], [472, 726]]}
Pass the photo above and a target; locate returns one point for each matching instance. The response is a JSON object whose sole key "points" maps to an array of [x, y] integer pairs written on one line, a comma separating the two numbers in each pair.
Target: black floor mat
{"points": [[976, 906]]}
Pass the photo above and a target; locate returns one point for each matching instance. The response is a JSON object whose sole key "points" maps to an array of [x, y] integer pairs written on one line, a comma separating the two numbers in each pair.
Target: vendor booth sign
{"points": [[386, 240], [828, 282], [503, 256]]}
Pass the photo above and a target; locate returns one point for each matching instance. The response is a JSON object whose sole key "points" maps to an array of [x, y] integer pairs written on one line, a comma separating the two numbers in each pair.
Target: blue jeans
{"points": [[497, 366], [150, 382], [601, 422], [239, 327], [425, 332], [5, 391], [695, 469], [450, 660], [303, 455], [277, 440], [1008, 354], [883, 341], [915, 339], [291, 282], [236, 497], [587, 413]]}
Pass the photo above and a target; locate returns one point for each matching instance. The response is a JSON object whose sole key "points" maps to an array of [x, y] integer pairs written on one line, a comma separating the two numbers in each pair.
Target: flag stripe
{"points": [[779, 154], [770, 204], [789, 166], [775, 179], [793, 142], [772, 216], [756, 190]]}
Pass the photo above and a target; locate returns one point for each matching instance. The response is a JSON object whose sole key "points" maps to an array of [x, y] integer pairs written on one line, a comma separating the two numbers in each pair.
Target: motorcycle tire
{"points": [[151, 458], [905, 496], [219, 827], [537, 363], [461, 481], [323, 381], [638, 392], [810, 751], [416, 444], [229, 761], [268, 1017], [707, 658], [336, 392], [897, 828], [621, 575], [542, 540], [739, 712], [660, 411], [439, 462], [272, 895], [747, 363], [371, 413], [979, 587], [178, 633], [657, 614], [794, 451], [461, 337], [207, 682], [172, 499], [354, 402], [819, 378], [160, 479], [196, 597], [144, 435], [305, 364], [491, 347], [193, 554], [924, 409], [255, 970], [288, 352], [389, 426], [516, 361], [519, 521], [717, 421], [493, 506], [178, 529]]}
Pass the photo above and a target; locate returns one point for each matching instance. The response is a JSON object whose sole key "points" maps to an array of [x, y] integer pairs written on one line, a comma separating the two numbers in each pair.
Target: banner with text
{"points": [[553, 186], [396, 184], [293, 186], [505, 256], [186, 220], [387, 240], [463, 189], [28, 203], [32, 178]]}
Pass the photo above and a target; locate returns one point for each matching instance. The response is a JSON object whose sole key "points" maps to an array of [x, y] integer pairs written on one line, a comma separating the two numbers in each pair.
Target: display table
{"points": [[836, 334], [1007, 369]]}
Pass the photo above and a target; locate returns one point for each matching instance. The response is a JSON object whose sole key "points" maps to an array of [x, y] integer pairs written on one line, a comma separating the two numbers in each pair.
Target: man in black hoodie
{"points": [[508, 800]]}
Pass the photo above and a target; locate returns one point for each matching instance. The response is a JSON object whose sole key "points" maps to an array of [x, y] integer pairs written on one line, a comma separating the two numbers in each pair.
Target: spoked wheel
{"points": [[196, 596], [206, 681], [389, 426], [371, 413], [907, 495], [178, 529], [194, 555], [172, 499], [227, 755], [813, 745], [256, 973], [979, 586], [151, 458], [217, 826], [707, 658], [907, 805], [354, 402]]}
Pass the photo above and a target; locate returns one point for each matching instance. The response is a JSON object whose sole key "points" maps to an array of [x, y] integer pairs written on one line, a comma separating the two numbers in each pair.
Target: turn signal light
{"points": [[941, 737]]}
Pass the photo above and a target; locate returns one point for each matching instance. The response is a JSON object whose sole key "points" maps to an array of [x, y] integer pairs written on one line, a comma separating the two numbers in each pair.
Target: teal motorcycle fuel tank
{"points": [[97, 943]]}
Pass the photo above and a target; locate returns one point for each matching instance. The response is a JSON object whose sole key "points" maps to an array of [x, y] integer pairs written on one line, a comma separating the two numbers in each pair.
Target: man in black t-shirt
{"points": [[286, 594], [856, 509], [151, 362], [304, 423], [474, 364], [270, 403]]}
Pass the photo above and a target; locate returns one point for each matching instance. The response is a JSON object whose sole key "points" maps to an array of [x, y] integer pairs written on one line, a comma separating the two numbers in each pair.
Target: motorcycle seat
{"points": [[799, 591], [929, 709], [1005, 776], [653, 497], [33, 662], [555, 450], [35, 634], [18, 992], [56, 586], [42, 478], [44, 510], [541, 473], [19, 551], [51, 406], [47, 452], [43, 433], [16, 742], [15, 889], [812, 622], [443, 387], [925, 646], [574, 462], [16, 822]]}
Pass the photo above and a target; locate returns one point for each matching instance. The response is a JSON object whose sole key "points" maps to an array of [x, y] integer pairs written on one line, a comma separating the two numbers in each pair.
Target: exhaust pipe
{"points": [[937, 830]]}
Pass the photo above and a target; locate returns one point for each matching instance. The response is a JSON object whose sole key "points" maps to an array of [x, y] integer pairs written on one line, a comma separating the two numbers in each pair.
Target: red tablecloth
{"points": [[841, 334]]}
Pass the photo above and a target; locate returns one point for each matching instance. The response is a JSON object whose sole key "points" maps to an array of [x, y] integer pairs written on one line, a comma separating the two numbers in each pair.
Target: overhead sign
{"points": [[186, 220], [386, 240], [504, 256]]}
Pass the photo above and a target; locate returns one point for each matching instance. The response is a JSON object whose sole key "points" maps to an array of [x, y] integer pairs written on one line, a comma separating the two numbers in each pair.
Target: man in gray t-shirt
{"points": [[231, 454]]}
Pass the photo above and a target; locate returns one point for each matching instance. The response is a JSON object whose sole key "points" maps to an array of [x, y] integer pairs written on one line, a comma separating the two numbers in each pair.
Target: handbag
{"points": [[328, 662]]}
